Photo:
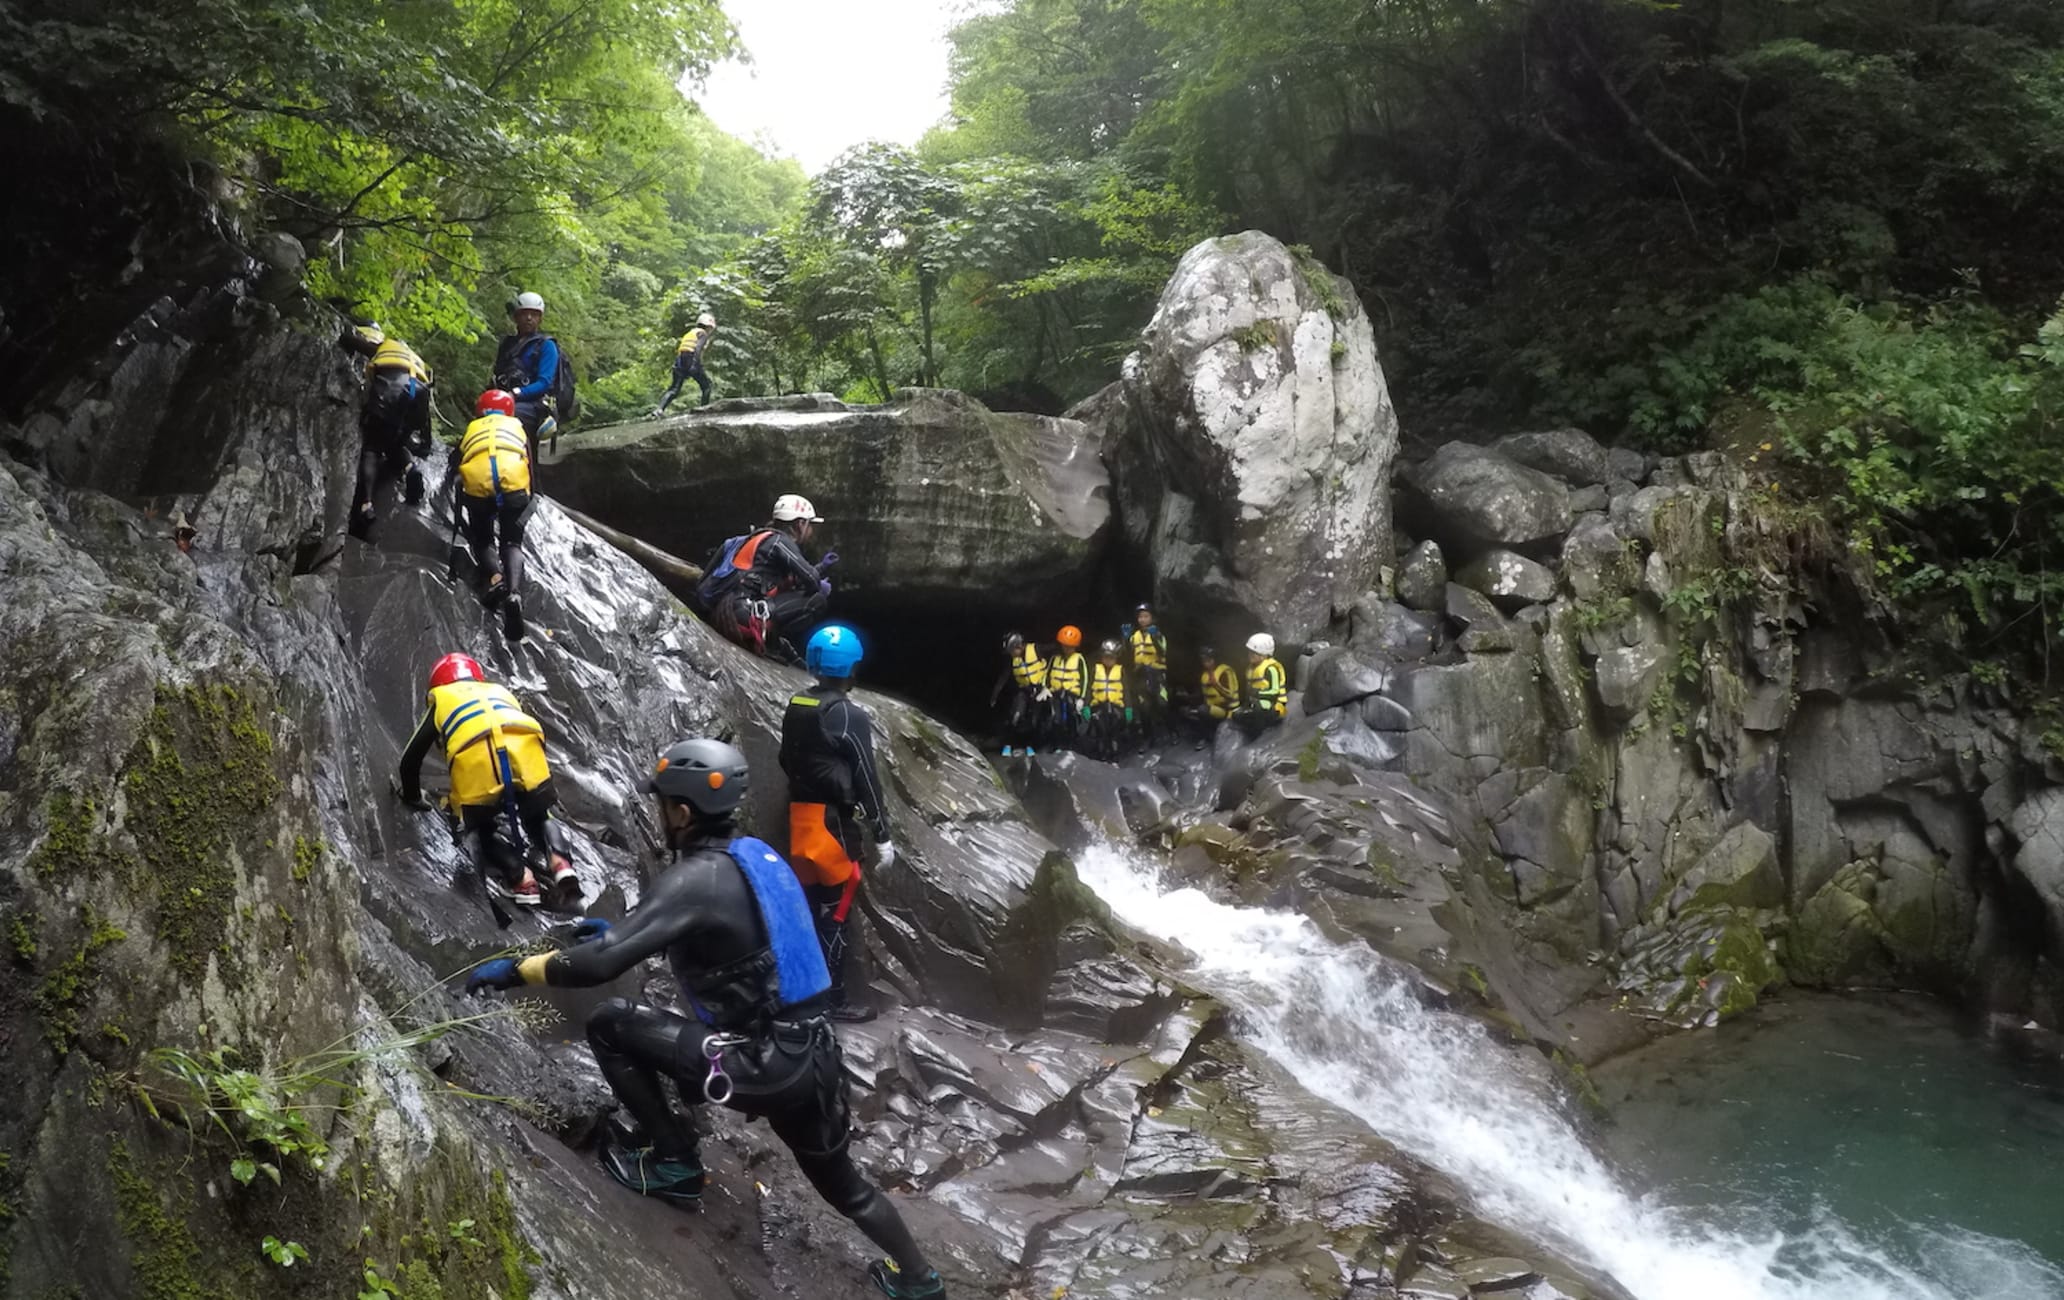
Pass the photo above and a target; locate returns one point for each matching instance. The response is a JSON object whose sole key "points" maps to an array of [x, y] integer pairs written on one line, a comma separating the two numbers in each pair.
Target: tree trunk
{"points": [[926, 288]]}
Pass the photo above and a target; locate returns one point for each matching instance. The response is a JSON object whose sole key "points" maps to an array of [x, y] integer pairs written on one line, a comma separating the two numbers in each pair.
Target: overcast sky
{"points": [[827, 74]]}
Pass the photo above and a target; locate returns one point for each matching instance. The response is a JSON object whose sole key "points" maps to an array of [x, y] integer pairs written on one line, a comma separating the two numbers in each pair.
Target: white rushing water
{"points": [[1342, 1019]]}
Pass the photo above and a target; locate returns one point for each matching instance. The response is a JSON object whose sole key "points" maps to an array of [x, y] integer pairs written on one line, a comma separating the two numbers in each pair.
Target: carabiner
{"points": [[716, 1086]]}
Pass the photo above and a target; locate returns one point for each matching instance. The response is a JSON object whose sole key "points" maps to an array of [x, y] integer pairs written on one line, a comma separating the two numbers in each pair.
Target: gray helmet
{"points": [[707, 775]]}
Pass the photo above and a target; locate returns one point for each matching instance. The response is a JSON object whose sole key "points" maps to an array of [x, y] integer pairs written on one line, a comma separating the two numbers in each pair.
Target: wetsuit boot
{"points": [[628, 1157], [891, 1281]]}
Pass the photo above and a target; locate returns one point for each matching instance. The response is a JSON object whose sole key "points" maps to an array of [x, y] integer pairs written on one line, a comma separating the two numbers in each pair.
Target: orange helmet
{"points": [[1071, 636], [455, 668], [498, 400]]}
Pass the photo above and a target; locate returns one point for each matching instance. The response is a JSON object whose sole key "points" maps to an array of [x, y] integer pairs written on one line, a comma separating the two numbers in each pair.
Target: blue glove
{"points": [[830, 558], [824, 586], [501, 973], [589, 928]]}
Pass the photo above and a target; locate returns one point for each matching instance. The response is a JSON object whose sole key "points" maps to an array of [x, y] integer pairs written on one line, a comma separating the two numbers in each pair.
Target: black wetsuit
{"points": [[827, 753], [702, 915], [394, 421], [783, 577]]}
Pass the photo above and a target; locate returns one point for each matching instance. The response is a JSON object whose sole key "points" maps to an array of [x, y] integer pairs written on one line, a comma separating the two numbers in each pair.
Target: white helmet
{"points": [[791, 508], [707, 321], [529, 302], [1262, 643]]}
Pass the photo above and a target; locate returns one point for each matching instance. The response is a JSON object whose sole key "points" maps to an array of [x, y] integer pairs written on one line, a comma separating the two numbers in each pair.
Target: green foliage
{"points": [[282, 1253], [1258, 336]]}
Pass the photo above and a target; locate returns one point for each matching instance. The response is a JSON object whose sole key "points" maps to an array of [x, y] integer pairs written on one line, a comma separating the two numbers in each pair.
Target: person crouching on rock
{"points": [[688, 362], [762, 592], [1024, 678], [493, 463], [1218, 691], [501, 785], [1108, 716], [736, 929], [1268, 687], [393, 422], [1067, 676], [827, 752]]}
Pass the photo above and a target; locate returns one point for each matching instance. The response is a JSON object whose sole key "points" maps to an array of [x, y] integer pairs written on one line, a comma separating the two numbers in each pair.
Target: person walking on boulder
{"points": [[501, 784], [688, 362], [827, 752], [493, 464], [732, 922]]}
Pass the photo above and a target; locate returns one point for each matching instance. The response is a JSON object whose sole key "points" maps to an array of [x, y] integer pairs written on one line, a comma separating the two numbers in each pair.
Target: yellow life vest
{"points": [[1146, 648], [692, 340], [1107, 684], [1066, 672], [494, 457], [484, 728], [393, 354], [1028, 669], [1221, 690], [1269, 688]]}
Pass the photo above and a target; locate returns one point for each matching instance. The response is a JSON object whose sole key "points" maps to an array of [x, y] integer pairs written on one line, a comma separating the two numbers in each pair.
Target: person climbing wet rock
{"points": [[761, 591], [501, 785], [688, 362], [1218, 693], [393, 423], [1067, 677], [1148, 650], [527, 367], [1268, 687], [492, 462], [732, 922], [1021, 689], [1108, 715], [827, 752]]}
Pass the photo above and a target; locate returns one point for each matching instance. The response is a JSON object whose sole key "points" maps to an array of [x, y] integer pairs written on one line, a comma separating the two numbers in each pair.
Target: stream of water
{"points": [[1343, 1020]]}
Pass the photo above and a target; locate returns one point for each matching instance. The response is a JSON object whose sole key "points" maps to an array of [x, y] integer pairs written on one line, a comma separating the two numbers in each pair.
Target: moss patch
{"points": [[308, 855], [71, 847], [166, 1254], [65, 987], [1255, 337], [199, 778]]}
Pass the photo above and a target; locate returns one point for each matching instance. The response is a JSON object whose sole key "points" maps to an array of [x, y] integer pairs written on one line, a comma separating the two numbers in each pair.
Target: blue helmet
{"points": [[833, 651]]}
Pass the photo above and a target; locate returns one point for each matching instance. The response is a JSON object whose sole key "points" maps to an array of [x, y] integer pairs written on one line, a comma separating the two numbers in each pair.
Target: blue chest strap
{"points": [[799, 968]]}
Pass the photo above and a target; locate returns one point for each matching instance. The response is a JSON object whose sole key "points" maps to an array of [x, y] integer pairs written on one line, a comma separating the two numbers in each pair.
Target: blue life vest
{"points": [[799, 969]]}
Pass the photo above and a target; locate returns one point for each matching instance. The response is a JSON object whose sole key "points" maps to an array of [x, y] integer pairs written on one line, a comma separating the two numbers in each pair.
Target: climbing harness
{"points": [[717, 1087]]}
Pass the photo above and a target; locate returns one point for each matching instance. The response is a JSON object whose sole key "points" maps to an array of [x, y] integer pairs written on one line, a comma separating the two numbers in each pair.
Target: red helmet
{"points": [[455, 668], [498, 400]]}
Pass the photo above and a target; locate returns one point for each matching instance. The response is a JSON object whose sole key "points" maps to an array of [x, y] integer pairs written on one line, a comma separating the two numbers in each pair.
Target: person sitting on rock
{"points": [[527, 367], [1108, 715], [1067, 677], [1268, 687], [1024, 678], [761, 591], [501, 785], [1149, 671], [1218, 693], [827, 752], [393, 422], [493, 464], [688, 362], [733, 924]]}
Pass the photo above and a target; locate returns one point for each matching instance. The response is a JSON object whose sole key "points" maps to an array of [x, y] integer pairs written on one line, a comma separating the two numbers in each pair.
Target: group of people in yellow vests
{"points": [[1058, 697]]}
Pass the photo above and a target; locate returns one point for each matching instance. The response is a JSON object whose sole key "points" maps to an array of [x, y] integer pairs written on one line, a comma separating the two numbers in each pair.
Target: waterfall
{"points": [[1345, 1022]]}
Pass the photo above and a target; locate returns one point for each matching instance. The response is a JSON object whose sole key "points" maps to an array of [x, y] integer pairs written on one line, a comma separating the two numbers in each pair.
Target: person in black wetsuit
{"points": [[393, 423], [731, 921], [827, 753], [766, 593]]}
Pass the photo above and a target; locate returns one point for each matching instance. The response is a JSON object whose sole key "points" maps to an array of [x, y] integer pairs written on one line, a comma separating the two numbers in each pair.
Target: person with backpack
{"points": [[827, 753], [493, 464], [733, 924], [761, 591], [393, 423], [688, 362], [501, 785], [530, 365]]}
